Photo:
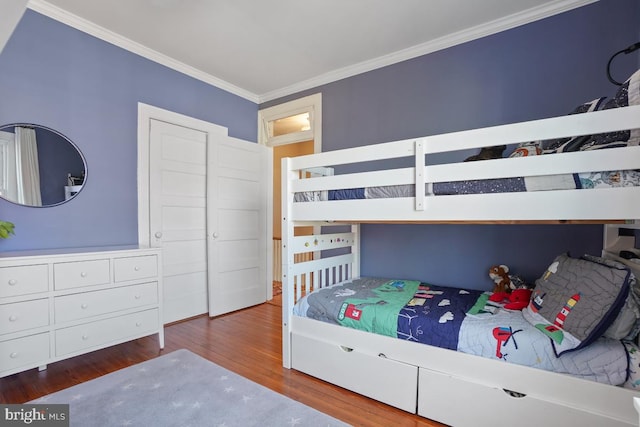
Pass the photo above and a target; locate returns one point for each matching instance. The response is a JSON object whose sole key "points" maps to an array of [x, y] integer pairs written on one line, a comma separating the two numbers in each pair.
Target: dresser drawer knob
{"points": [[13, 355], [137, 297], [13, 282], [85, 337], [83, 274], [136, 268], [13, 318], [84, 306], [138, 324]]}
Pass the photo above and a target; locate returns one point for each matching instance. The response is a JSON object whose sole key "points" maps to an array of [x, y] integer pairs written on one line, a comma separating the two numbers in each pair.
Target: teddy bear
{"points": [[500, 276], [511, 290]]}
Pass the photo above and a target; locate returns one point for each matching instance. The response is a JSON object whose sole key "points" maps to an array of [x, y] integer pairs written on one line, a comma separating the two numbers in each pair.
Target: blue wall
{"points": [[539, 70], [88, 90]]}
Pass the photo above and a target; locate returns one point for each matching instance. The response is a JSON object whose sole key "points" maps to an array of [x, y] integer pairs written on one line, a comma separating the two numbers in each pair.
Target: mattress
{"points": [[588, 180], [458, 319]]}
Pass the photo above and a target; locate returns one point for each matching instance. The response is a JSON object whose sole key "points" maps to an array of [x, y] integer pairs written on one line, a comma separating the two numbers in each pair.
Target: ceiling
{"points": [[262, 50]]}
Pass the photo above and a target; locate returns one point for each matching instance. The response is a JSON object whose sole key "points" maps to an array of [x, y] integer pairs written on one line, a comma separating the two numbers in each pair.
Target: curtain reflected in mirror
{"points": [[27, 185], [38, 166]]}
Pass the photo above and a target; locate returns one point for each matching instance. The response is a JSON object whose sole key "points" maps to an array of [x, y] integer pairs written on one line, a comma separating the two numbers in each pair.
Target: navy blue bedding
{"points": [[446, 309]]}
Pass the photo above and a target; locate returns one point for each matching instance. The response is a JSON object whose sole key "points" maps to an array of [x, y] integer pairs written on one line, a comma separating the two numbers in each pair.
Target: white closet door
{"points": [[178, 215], [239, 176]]}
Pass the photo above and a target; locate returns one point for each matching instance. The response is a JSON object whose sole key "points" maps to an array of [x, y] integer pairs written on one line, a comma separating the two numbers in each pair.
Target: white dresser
{"points": [[57, 304]]}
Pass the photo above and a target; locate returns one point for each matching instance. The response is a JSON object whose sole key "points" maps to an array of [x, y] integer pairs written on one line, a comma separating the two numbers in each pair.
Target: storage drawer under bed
{"points": [[371, 375], [460, 402]]}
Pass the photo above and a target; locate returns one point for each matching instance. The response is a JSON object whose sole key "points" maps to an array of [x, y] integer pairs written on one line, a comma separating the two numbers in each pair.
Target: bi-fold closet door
{"points": [[208, 210]]}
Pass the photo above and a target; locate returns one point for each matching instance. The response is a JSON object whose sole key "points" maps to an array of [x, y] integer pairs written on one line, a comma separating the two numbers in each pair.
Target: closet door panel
{"points": [[237, 224], [177, 216]]}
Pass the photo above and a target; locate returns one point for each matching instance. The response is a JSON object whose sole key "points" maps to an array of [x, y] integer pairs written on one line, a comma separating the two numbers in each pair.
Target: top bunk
{"points": [[580, 182]]}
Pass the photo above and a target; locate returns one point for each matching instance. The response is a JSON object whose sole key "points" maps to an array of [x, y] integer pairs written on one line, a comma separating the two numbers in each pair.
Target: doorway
{"points": [[280, 152], [293, 129]]}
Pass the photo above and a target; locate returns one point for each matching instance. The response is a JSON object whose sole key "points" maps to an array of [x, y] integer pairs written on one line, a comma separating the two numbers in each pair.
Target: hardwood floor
{"points": [[247, 342]]}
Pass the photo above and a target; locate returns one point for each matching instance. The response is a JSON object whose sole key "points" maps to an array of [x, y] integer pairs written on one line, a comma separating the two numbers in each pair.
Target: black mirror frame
{"points": [[64, 137]]}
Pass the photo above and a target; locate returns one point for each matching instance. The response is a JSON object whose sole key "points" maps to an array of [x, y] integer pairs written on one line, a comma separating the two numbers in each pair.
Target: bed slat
{"points": [[558, 205], [557, 127], [321, 264]]}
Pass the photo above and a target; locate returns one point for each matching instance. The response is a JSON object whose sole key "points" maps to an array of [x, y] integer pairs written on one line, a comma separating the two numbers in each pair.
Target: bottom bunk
{"points": [[563, 355]]}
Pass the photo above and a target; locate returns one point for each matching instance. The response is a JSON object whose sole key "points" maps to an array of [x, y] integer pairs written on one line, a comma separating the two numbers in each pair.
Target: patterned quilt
{"points": [[458, 319], [587, 180]]}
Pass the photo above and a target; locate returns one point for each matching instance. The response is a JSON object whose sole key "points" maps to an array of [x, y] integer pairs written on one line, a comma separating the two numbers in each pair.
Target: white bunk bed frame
{"points": [[444, 385]]}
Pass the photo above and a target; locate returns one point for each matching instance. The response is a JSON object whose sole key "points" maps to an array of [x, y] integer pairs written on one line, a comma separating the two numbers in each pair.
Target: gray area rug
{"points": [[181, 389]]}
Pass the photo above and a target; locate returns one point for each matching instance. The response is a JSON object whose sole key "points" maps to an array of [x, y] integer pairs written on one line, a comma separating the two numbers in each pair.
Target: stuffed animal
{"points": [[500, 276], [487, 153], [518, 299], [512, 290]]}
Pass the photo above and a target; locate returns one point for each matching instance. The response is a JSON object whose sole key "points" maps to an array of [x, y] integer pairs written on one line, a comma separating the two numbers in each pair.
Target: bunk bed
{"points": [[441, 384]]}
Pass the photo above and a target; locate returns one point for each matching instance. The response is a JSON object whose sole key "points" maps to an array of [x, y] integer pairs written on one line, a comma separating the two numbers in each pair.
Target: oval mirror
{"points": [[38, 166]]}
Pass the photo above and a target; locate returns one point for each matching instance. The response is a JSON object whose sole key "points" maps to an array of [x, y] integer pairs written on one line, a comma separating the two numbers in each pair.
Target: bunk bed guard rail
{"points": [[455, 208]]}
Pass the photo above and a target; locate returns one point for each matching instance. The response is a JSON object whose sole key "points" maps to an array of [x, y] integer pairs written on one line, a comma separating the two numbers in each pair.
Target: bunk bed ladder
{"points": [[419, 174]]}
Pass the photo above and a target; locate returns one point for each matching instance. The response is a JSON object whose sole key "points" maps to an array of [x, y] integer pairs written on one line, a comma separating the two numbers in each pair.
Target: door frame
{"points": [[145, 114], [311, 104]]}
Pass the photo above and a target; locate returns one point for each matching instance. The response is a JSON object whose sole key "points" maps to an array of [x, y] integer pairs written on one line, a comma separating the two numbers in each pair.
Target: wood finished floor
{"points": [[247, 342]]}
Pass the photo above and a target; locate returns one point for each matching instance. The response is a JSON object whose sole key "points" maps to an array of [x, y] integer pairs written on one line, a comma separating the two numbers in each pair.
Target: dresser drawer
{"points": [[106, 332], [23, 280], [24, 351], [133, 268], [81, 273], [21, 316], [87, 304]]}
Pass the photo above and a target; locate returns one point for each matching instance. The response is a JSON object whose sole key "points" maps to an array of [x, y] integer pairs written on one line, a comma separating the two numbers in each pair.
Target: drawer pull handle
{"points": [[136, 268], [83, 274], [138, 324], [137, 297], [384, 356], [85, 337], [346, 349], [515, 394], [13, 355], [13, 282], [84, 306], [13, 318]]}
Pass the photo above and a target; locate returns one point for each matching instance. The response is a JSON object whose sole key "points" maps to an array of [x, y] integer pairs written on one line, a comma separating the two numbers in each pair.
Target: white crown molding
{"points": [[53, 12], [493, 27]]}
